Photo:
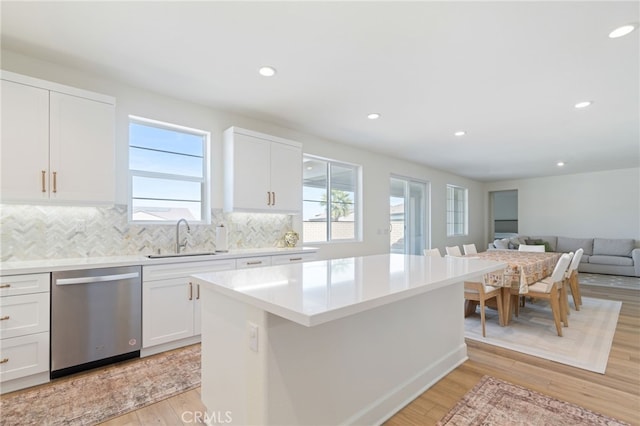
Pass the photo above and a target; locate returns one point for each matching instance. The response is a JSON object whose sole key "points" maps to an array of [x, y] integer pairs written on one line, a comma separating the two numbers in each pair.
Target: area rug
{"points": [[585, 343], [92, 397], [495, 402], [616, 281]]}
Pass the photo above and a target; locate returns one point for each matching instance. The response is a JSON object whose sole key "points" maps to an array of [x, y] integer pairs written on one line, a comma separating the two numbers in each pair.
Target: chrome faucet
{"points": [[178, 244]]}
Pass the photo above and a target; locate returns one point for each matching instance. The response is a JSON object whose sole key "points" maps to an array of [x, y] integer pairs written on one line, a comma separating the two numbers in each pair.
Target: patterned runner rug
{"points": [[495, 402], [95, 396], [585, 343]]}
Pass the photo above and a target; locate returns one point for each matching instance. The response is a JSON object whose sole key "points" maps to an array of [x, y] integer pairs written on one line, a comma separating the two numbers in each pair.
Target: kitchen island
{"points": [[343, 341]]}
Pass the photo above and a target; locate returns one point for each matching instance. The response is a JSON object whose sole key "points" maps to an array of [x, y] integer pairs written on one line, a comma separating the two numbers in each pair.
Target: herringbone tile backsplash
{"points": [[51, 232]]}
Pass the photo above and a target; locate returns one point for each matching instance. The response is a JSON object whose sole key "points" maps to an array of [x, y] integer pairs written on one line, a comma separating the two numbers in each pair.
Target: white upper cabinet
{"points": [[58, 143], [25, 142], [262, 173]]}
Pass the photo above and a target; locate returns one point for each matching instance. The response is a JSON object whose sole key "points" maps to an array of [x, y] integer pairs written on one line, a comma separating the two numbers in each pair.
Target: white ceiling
{"points": [[508, 73]]}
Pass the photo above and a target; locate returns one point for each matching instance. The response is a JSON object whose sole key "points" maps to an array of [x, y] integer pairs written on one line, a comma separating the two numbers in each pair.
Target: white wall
{"points": [[376, 168], [600, 204]]}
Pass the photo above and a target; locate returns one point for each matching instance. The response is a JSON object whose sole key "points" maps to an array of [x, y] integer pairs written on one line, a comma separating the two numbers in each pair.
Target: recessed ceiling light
{"points": [[373, 116], [622, 31], [560, 163], [460, 133], [267, 71], [583, 104]]}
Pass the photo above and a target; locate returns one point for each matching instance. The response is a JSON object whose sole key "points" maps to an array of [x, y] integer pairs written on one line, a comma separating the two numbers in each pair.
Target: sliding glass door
{"points": [[407, 216]]}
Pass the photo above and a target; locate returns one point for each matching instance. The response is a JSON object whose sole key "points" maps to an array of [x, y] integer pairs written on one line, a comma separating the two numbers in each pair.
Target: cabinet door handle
{"points": [[190, 291], [268, 198], [197, 291], [4, 360], [55, 182], [4, 318], [5, 285], [44, 176], [274, 198]]}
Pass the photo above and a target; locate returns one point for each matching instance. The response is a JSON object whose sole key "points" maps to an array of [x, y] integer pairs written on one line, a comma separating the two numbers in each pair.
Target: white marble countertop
{"points": [[53, 265], [313, 293]]}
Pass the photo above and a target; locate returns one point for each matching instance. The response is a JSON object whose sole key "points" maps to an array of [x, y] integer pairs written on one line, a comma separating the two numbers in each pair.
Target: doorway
{"points": [[407, 216], [504, 214]]}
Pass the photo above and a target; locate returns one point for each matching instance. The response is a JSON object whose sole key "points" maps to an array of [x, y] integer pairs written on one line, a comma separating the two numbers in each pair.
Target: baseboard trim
{"points": [[152, 350], [388, 405]]}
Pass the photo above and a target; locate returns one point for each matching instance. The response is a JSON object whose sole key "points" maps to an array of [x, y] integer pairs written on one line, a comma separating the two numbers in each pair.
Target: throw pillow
{"points": [[515, 243], [502, 244], [547, 246]]}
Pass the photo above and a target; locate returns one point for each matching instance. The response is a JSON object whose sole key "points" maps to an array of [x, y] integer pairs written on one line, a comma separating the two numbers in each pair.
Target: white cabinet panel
{"points": [[167, 307], [252, 173], [22, 315], [14, 285], [286, 177], [253, 262], [24, 356], [285, 259], [262, 173], [82, 149], [25, 142]]}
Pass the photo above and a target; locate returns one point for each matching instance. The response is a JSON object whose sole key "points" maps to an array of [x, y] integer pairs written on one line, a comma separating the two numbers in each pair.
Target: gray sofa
{"points": [[601, 255]]}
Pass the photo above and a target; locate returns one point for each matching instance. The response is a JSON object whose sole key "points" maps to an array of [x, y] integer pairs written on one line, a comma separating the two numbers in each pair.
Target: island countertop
{"points": [[318, 292]]}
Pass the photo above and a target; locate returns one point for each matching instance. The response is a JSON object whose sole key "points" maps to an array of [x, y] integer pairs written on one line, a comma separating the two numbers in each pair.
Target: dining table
{"points": [[523, 269]]}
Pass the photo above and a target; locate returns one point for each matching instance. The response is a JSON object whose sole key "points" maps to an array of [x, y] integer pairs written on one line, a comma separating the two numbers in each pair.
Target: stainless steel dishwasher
{"points": [[96, 318]]}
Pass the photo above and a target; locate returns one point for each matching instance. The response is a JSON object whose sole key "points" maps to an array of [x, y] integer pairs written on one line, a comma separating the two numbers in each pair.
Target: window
{"points": [[457, 210], [168, 172], [330, 192]]}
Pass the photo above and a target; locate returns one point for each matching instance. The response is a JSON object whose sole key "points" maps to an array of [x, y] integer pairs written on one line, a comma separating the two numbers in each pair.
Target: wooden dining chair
{"points": [[552, 289], [481, 293], [453, 251], [469, 249], [434, 252], [531, 248], [571, 279]]}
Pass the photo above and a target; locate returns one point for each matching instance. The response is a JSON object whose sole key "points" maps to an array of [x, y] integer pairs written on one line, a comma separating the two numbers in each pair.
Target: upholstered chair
{"points": [[453, 251], [434, 252], [552, 289], [469, 249]]}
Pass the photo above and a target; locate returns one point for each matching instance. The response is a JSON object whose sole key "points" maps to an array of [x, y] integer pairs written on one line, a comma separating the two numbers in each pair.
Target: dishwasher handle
{"points": [[99, 279]]}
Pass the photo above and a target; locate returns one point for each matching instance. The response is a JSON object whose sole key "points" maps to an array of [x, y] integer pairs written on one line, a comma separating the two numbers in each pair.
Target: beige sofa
{"points": [[614, 256]]}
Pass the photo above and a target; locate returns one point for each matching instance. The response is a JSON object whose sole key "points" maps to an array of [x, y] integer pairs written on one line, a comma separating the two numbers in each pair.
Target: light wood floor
{"points": [[616, 393]]}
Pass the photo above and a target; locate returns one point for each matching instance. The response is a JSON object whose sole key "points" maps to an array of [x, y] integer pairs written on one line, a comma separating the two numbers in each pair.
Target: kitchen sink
{"points": [[160, 256]]}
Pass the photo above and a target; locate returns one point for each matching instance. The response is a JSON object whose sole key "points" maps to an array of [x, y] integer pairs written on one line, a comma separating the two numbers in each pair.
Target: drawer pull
{"points": [[4, 360], [294, 259], [6, 317], [5, 285], [258, 262]]}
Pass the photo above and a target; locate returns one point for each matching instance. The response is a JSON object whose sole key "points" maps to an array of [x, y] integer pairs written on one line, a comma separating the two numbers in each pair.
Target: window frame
{"points": [[452, 212], [357, 201], [204, 180]]}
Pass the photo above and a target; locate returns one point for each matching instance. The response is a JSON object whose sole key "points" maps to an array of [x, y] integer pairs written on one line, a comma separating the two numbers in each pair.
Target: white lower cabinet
{"points": [[286, 259], [171, 304], [253, 262], [24, 331]]}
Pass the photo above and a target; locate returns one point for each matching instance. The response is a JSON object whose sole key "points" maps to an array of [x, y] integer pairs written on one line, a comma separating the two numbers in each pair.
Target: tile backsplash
{"points": [[31, 232]]}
